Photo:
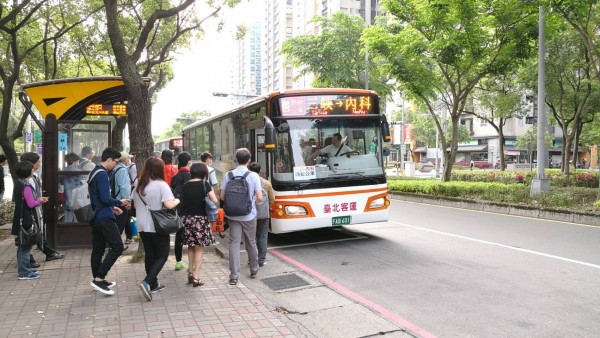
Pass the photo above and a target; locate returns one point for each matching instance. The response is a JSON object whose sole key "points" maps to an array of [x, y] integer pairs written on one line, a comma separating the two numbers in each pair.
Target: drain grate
{"points": [[283, 282]]}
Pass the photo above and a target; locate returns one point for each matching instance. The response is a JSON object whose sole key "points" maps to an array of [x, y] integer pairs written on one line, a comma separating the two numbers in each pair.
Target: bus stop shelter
{"points": [[69, 110]]}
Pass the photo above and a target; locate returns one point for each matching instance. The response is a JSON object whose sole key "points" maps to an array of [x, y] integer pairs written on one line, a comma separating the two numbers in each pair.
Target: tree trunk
{"points": [[501, 147], [117, 132], [7, 142], [450, 157]]}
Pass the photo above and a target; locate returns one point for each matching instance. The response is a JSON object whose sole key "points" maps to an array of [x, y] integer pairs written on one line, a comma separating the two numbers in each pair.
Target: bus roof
{"points": [[290, 92]]}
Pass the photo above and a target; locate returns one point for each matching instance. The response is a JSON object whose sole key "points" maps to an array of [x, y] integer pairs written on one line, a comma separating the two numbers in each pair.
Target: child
{"points": [[25, 209]]}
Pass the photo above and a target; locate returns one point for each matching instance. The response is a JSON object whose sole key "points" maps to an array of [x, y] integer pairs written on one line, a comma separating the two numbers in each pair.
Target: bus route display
{"points": [[323, 105], [106, 109]]}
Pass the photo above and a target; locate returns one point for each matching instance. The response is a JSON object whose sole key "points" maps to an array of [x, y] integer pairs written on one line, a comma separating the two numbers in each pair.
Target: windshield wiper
{"points": [[303, 185], [367, 177]]}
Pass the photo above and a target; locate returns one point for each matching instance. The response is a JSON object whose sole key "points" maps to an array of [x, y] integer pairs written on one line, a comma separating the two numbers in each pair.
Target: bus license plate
{"points": [[341, 220]]}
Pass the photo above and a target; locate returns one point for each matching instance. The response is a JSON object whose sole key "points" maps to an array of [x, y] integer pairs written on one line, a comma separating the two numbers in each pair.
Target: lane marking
{"points": [[356, 297], [499, 214], [499, 245]]}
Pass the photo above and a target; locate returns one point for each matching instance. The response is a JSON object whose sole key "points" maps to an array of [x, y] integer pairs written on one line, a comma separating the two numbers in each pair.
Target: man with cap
{"points": [[120, 186]]}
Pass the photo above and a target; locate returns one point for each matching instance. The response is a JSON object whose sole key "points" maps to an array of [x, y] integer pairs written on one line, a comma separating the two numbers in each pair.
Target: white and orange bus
{"points": [[171, 143], [282, 129]]}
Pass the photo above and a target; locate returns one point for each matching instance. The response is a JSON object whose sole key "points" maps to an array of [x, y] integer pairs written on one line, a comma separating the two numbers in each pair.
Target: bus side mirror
{"points": [[385, 129], [269, 135], [386, 151]]}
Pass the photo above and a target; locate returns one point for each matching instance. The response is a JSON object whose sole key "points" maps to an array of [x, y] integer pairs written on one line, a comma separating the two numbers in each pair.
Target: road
{"points": [[462, 273]]}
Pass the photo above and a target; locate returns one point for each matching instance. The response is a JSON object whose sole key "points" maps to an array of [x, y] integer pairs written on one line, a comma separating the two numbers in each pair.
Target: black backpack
{"points": [[113, 183], [237, 196]]}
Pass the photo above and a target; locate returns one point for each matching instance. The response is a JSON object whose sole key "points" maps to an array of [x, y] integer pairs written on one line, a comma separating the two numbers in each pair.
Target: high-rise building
{"points": [[305, 11], [278, 27], [284, 19], [246, 77]]}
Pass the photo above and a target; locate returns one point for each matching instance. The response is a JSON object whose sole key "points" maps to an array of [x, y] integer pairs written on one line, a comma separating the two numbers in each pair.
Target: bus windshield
{"points": [[314, 149]]}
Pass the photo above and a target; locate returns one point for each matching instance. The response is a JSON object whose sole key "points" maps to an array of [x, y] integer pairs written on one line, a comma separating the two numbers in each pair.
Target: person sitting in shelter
{"points": [[336, 148]]}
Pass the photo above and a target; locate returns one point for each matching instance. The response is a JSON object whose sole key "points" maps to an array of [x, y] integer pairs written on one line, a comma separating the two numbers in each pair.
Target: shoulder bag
{"points": [[166, 221], [32, 236], [209, 206]]}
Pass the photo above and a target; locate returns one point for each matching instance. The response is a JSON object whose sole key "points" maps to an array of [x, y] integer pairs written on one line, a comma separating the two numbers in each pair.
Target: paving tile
{"points": [[63, 304]]}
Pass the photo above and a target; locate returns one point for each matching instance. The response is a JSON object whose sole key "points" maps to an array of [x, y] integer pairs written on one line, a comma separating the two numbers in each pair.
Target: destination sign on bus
{"points": [[106, 109], [323, 105]]}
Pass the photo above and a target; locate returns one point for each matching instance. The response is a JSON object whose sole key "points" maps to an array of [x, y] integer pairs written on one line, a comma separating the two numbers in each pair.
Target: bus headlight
{"points": [[377, 203], [294, 210]]}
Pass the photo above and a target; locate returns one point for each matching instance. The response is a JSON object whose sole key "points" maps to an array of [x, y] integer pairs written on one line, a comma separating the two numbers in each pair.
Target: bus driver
{"points": [[336, 148]]}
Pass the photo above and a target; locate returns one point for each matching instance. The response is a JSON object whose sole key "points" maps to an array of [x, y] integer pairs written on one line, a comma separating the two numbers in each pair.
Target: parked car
{"points": [[424, 167]]}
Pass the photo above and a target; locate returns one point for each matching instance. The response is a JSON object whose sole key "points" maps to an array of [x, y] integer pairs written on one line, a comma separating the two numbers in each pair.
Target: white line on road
{"points": [[498, 244]]}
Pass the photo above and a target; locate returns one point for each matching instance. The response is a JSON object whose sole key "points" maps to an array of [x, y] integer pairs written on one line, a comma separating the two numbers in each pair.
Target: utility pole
{"points": [[540, 184], [437, 149], [402, 145], [367, 24]]}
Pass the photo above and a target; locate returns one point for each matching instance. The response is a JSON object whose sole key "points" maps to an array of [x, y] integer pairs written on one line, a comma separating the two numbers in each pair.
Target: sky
{"points": [[203, 69]]}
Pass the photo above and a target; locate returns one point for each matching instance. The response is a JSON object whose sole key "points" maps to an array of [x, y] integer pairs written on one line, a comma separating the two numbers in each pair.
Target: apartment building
{"points": [[246, 80]]}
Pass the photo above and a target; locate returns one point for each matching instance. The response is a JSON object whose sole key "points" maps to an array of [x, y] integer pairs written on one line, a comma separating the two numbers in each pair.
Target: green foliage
{"points": [[7, 209], [587, 179], [528, 140], [183, 120], [559, 197], [336, 57], [438, 51]]}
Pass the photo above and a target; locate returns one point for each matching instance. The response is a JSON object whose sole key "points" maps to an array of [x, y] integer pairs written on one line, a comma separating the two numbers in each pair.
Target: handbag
{"points": [[166, 221], [209, 206], [28, 237]]}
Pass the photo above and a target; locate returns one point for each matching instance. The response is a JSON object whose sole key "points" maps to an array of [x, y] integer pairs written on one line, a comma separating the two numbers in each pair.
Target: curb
{"points": [[561, 215]]}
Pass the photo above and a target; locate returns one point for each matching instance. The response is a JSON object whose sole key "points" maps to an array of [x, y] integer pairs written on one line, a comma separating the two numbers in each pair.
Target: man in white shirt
{"points": [[333, 149], [85, 163], [207, 159]]}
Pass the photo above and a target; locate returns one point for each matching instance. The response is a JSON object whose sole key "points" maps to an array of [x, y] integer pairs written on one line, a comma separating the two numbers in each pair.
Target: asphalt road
{"points": [[462, 273]]}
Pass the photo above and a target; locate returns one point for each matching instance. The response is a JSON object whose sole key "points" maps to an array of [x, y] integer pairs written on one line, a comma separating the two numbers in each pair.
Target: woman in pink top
{"points": [[25, 215]]}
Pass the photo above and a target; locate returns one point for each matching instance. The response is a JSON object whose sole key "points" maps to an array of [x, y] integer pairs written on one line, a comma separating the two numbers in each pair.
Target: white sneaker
{"points": [[100, 285]]}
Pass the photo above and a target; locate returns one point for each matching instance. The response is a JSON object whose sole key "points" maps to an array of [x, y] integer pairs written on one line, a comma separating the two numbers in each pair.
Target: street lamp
{"points": [[234, 94]]}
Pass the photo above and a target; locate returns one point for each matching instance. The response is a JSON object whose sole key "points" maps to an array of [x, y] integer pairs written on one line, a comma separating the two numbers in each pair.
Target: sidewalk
{"points": [[63, 304]]}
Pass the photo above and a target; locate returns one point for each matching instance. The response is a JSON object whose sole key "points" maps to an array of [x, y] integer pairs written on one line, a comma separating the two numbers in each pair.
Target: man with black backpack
{"points": [[104, 223], [239, 190]]}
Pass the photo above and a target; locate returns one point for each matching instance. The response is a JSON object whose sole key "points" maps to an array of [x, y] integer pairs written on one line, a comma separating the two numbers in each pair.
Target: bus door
{"points": [[259, 153], [73, 136]]}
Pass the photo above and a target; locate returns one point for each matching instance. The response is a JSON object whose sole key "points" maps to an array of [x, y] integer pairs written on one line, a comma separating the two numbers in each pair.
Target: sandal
{"points": [[197, 282], [190, 277]]}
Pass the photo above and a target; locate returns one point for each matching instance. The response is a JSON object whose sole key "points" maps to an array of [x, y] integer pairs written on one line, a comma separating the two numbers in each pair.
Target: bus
{"points": [[284, 132], [171, 143]]}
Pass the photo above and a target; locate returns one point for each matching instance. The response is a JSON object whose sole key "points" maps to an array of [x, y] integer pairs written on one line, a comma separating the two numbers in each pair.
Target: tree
{"points": [[336, 56], [439, 51], [584, 17], [176, 129], [30, 32], [143, 35], [500, 100], [529, 141], [570, 86]]}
